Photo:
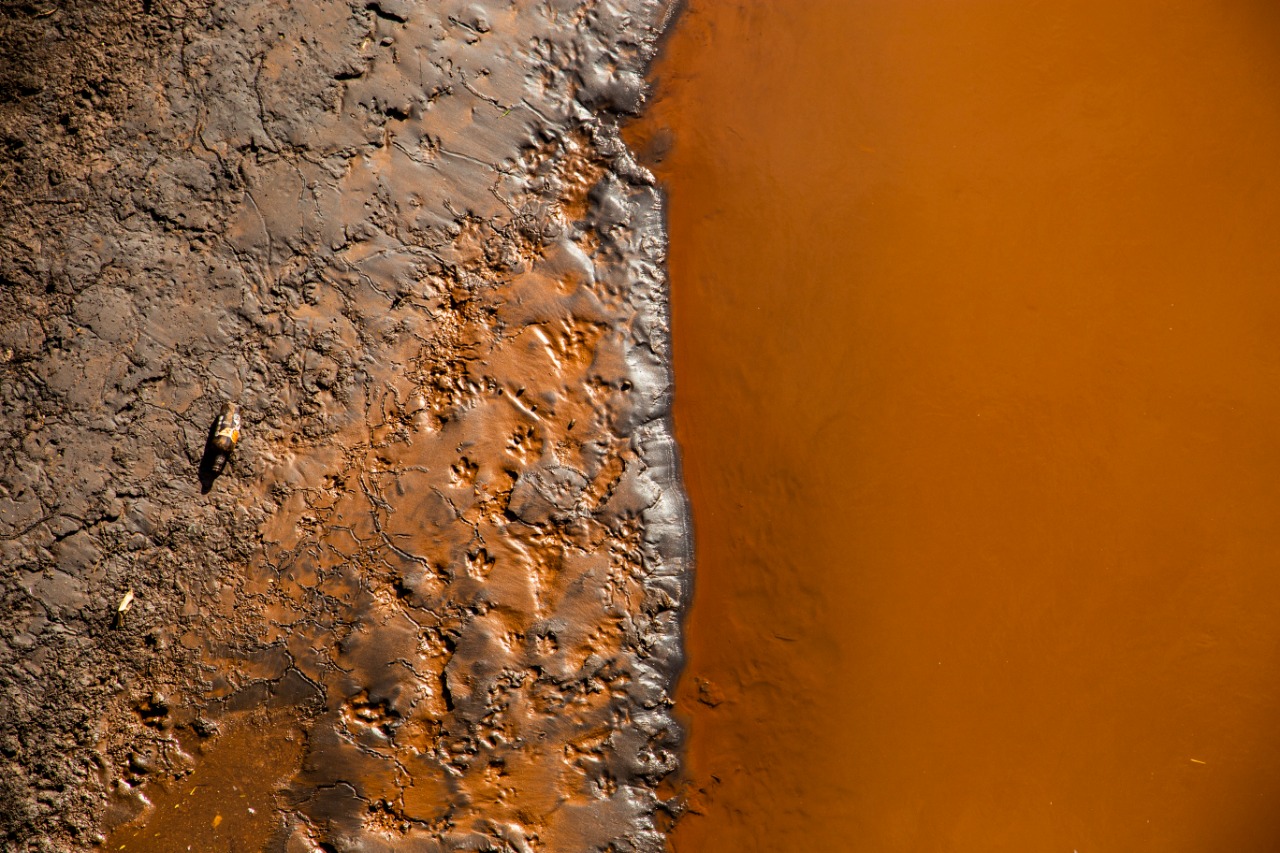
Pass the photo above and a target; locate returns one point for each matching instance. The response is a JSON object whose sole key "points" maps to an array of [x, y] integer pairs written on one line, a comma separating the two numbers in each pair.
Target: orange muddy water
{"points": [[977, 322]]}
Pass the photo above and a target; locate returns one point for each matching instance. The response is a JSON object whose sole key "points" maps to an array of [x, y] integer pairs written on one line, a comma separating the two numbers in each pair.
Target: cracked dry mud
{"points": [[432, 602]]}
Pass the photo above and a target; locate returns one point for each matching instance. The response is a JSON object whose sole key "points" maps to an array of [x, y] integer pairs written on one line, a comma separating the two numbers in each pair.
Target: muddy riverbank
{"points": [[433, 598]]}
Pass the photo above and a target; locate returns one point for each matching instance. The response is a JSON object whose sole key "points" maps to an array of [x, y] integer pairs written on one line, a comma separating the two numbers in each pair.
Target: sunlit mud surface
{"points": [[431, 600], [975, 310]]}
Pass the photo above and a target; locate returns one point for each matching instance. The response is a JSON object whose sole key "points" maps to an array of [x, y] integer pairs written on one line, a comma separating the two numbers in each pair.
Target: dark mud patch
{"points": [[408, 240]]}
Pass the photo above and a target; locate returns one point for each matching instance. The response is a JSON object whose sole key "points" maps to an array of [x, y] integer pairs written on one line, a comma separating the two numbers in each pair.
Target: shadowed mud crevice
{"points": [[408, 242]]}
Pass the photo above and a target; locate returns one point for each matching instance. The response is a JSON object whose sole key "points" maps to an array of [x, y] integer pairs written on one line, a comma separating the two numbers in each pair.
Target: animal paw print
{"points": [[523, 443], [480, 564], [463, 472]]}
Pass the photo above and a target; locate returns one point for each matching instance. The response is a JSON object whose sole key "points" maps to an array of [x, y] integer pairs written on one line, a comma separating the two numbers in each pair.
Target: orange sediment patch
{"points": [[228, 801]]}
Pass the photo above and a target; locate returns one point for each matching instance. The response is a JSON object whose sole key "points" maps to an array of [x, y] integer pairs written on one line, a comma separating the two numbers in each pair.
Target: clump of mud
{"points": [[430, 600]]}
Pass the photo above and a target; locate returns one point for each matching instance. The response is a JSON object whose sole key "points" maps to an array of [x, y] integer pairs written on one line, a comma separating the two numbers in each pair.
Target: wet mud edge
{"points": [[443, 571]]}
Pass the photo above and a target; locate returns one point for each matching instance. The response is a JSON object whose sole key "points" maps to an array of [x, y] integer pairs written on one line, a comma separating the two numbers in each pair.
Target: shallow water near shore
{"points": [[974, 311]]}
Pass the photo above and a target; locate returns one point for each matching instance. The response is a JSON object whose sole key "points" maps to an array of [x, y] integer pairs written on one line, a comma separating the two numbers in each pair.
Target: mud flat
{"points": [[975, 317], [432, 601]]}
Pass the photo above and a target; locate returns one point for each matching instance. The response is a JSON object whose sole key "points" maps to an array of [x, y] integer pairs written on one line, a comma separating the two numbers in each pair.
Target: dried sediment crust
{"points": [[408, 240]]}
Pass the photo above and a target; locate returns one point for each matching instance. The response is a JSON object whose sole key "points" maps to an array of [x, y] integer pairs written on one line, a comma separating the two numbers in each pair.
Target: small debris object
{"points": [[224, 435], [123, 607], [226, 429]]}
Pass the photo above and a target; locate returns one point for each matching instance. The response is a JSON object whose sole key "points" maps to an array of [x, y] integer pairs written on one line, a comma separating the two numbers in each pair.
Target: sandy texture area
{"points": [[432, 600]]}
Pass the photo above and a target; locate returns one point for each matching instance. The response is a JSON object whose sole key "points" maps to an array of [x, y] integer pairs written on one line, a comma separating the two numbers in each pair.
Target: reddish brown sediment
{"points": [[974, 313], [227, 797], [434, 589]]}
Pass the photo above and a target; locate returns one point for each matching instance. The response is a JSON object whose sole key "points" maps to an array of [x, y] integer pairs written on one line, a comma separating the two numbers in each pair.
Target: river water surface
{"points": [[976, 312]]}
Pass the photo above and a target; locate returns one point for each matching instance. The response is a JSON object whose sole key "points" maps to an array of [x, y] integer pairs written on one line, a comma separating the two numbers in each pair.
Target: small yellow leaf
{"points": [[217, 820]]}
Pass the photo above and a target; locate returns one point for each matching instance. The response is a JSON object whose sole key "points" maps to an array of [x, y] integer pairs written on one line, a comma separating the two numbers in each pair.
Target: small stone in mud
{"points": [[154, 706], [204, 727], [142, 763]]}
